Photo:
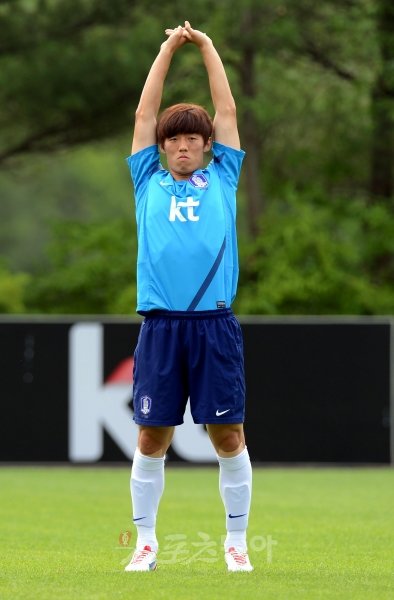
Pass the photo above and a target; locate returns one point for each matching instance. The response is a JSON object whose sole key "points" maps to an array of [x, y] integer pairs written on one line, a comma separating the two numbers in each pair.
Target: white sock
{"points": [[235, 484], [147, 485]]}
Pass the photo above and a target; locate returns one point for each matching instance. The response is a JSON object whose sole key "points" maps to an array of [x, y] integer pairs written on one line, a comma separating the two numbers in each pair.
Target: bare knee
{"points": [[154, 441], [148, 444], [228, 440]]}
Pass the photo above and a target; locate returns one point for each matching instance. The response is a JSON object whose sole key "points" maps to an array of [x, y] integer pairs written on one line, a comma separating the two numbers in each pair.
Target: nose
{"points": [[183, 143]]}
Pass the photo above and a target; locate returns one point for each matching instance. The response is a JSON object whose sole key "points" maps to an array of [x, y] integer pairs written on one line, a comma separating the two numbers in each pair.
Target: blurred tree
{"points": [[382, 106], [69, 70], [314, 258], [12, 291], [304, 74], [314, 89], [91, 270], [89, 183]]}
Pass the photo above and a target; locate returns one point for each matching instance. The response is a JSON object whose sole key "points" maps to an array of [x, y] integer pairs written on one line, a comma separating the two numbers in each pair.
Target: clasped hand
{"points": [[181, 35]]}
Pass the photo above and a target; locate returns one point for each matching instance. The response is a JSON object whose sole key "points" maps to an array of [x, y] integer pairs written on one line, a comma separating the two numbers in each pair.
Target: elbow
{"points": [[138, 114], [228, 110], [232, 108], [144, 116]]}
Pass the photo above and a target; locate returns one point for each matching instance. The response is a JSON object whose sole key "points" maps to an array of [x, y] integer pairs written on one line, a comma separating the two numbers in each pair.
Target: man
{"points": [[190, 344]]}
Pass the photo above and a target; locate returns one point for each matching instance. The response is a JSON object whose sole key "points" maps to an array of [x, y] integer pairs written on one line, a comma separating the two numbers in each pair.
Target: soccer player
{"points": [[190, 343]]}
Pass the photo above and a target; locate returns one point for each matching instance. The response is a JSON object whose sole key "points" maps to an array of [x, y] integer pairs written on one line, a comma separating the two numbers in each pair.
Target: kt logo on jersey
{"points": [[183, 210]]}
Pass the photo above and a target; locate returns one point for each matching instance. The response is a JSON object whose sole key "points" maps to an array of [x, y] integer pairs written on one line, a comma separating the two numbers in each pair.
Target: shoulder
{"points": [[150, 152], [221, 152], [143, 166], [227, 162], [144, 163]]}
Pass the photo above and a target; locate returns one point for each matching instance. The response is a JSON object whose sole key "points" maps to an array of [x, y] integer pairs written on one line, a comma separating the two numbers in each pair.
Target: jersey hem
{"points": [[186, 314]]}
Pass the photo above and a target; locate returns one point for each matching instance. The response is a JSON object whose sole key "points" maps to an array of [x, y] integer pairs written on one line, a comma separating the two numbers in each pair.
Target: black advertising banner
{"points": [[317, 391]]}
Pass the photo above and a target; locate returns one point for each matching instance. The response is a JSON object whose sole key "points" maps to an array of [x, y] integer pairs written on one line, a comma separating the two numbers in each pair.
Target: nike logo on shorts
{"points": [[221, 412]]}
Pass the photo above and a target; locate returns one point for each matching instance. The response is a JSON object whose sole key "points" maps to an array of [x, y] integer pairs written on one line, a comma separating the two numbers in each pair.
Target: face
{"points": [[185, 154]]}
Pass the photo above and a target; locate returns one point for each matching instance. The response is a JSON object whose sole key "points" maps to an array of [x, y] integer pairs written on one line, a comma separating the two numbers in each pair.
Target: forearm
{"points": [[149, 104], [222, 97]]}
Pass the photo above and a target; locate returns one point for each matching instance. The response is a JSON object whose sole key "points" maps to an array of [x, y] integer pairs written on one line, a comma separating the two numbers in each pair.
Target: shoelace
{"points": [[141, 554], [239, 557]]}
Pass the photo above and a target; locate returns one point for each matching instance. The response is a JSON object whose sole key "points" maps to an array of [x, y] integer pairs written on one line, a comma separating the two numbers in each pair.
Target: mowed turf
{"points": [[314, 533]]}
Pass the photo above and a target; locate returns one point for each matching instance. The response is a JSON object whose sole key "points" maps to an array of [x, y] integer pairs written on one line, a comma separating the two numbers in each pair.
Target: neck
{"points": [[180, 176]]}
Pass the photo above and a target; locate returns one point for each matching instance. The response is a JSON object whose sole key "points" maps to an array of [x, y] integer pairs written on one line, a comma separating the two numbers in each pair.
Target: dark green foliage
{"points": [[314, 89], [69, 71], [319, 257], [91, 270], [12, 291]]}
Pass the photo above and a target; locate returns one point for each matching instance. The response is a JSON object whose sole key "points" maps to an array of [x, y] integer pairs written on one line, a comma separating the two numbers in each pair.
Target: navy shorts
{"points": [[189, 354]]}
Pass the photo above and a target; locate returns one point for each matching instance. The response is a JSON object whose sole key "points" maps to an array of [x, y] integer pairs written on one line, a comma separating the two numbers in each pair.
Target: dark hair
{"points": [[184, 118]]}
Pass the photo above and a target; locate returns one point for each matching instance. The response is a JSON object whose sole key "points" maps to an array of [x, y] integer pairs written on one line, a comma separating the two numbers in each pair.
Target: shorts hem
{"points": [[220, 421], [156, 423]]}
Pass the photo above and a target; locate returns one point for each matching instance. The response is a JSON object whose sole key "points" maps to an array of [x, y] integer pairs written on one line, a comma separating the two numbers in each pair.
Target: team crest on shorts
{"points": [[146, 405], [199, 180]]}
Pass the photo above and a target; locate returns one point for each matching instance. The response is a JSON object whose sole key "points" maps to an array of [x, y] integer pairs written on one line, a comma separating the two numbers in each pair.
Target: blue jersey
{"points": [[187, 243]]}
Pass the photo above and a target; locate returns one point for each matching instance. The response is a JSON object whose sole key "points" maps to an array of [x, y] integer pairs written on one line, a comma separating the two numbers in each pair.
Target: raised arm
{"points": [[225, 120], [149, 104]]}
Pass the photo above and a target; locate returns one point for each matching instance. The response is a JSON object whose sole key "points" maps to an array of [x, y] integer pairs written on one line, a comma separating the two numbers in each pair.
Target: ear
{"points": [[208, 145]]}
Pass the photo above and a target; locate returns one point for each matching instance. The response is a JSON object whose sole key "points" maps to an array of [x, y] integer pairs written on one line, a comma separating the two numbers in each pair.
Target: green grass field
{"points": [[314, 533]]}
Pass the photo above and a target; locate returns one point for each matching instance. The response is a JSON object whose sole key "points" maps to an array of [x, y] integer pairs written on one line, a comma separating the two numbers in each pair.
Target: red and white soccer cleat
{"points": [[237, 560], [143, 560]]}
